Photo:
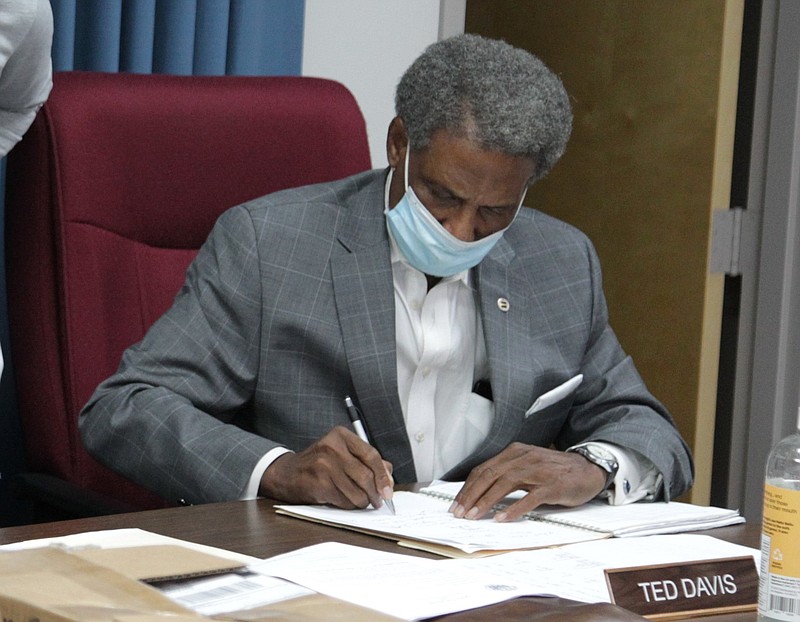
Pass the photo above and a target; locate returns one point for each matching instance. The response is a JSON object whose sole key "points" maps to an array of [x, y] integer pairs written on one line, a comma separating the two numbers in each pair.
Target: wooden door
{"points": [[653, 87]]}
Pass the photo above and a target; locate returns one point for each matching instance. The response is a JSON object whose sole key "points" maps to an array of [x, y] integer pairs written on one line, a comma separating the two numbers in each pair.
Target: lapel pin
{"points": [[503, 304]]}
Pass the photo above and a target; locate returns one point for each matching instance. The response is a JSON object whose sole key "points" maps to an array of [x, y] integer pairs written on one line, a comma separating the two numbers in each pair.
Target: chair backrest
{"points": [[110, 194]]}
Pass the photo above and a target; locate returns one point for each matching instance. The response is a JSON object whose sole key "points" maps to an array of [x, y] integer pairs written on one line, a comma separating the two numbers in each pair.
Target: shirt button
{"points": [[419, 437], [416, 305], [426, 371]]}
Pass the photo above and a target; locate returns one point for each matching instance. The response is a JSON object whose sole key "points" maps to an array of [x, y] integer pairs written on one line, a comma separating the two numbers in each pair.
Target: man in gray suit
{"points": [[472, 335]]}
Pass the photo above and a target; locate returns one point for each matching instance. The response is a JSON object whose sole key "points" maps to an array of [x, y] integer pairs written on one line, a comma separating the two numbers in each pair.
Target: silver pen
{"points": [[358, 426]]}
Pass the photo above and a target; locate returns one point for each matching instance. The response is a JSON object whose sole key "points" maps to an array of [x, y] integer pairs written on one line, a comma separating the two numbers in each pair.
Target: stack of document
{"points": [[404, 586], [413, 588], [422, 521]]}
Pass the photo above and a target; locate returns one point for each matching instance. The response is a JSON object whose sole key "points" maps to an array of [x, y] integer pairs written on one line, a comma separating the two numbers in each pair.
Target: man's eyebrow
{"points": [[439, 188]]}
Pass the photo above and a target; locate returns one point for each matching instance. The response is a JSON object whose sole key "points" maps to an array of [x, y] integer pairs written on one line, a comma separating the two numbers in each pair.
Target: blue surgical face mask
{"points": [[427, 245]]}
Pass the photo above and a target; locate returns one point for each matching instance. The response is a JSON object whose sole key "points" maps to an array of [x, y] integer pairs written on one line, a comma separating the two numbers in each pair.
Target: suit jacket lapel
{"points": [[364, 294]]}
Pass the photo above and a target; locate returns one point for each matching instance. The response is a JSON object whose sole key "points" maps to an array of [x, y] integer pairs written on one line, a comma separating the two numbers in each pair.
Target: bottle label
{"points": [[780, 594]]}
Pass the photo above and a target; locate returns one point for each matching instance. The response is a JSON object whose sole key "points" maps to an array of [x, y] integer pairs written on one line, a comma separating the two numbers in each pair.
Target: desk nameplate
{"points": [[673, 591]]}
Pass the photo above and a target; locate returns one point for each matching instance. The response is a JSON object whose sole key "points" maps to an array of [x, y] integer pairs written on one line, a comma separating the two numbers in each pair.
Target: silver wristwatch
{"points": [[599, 455]]}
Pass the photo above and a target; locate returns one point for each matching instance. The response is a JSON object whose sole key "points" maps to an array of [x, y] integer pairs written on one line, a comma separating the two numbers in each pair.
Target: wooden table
{"points": [[253, 528]]}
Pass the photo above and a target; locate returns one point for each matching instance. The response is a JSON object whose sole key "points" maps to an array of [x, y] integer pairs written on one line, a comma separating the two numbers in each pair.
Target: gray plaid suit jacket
{"points": [[289, 306]]}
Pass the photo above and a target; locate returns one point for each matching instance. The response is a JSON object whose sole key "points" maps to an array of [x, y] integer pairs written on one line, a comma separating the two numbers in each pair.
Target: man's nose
{"points": [[461, 224]]}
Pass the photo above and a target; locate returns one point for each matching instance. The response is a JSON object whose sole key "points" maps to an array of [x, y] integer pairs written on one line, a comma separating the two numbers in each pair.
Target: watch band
{"points": [[600, 456]]}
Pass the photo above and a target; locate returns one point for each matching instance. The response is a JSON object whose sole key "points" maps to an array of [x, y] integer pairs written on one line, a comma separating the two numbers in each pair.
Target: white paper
{"points": [[415, 588], [230, 592], [576, 571], [120, 538], [425, 518], [407, 587]]}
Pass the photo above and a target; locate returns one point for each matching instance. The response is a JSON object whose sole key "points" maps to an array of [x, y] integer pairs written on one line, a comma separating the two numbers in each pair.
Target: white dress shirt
{"points": [[440, 352]]}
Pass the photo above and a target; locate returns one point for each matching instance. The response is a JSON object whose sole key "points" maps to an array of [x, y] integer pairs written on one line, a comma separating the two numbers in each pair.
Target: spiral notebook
{"points": [[635, 519], [423, 522]]}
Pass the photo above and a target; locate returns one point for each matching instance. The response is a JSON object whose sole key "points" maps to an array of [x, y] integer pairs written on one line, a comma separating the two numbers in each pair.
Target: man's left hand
{"points": [[549, 476]]}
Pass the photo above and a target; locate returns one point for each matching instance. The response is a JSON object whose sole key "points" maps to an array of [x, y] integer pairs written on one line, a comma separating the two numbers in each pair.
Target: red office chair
{"points": [[109, 196]]}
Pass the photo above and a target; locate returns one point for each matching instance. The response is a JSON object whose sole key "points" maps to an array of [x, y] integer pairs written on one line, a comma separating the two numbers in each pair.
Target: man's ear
{"points": [[396, 143]]}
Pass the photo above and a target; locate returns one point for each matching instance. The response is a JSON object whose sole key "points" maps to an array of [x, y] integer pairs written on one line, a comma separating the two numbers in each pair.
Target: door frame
{"points": [[766, 390]]}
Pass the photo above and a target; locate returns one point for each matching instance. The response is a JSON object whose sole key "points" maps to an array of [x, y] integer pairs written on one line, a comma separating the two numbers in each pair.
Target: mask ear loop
{"points": [[519, 207], [405, 170], [522, 200]]}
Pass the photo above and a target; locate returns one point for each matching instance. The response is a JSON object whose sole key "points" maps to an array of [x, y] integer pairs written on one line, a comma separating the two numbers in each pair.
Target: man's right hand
{"points": [[339, 469]]}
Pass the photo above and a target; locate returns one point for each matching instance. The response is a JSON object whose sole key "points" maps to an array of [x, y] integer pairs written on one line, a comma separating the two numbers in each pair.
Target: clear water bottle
{"points": [[779, 583]]}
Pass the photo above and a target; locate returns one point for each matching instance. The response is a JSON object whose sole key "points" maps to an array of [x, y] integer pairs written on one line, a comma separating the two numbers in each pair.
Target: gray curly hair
{"points": [[502, 97]]}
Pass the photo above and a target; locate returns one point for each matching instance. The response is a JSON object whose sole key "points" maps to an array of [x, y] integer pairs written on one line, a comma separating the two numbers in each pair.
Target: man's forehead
{"points": [[459, 156]]}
